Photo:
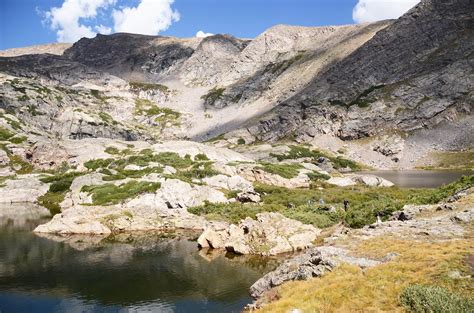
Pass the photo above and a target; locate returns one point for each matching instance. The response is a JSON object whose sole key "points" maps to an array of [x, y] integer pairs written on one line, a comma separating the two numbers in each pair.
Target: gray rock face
{"points": [[52, 67], [130, 56], [422, 77]]}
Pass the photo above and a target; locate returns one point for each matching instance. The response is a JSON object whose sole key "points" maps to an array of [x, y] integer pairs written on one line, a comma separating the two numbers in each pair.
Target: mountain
{"points": [[390, 93]]}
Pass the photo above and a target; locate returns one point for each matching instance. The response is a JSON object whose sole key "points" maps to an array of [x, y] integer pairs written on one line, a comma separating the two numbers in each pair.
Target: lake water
{"points": [[150, 272], [419, 178]]}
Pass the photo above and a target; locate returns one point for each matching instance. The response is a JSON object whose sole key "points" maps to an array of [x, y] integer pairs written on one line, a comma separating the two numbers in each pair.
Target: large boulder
{"points": [[268, 234], [255, 174]]}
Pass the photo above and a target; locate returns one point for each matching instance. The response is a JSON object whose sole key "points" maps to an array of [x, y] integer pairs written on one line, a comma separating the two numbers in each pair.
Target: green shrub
{"points": [[98, 163], [284, 170], [109, 194], [213, 95], [315, 176], [112, 150], [18, 140], [229, 212], [298, 152], [20, 165], [172, 159], [201, 157], [448, 190], [51, 201], [5, 134], [433, 299], [241, 141], [107, 118], [148, 86], [199, 170]]}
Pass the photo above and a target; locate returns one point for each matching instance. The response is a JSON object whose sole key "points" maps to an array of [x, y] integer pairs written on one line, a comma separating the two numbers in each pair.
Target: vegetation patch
{"points": [[13, 123], [137, 86], [422, 298], [284, 170], [298, 152], [454, 160], [324, 208], [109, 194], [145, 107], [213, 95], [5, 134], [229, 212], [350, 289], [51, 201], [60, 184], [107, 118]]}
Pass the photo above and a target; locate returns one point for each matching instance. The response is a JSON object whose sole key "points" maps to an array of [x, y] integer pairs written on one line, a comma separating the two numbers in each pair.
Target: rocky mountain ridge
{"points": [[379, 91]]}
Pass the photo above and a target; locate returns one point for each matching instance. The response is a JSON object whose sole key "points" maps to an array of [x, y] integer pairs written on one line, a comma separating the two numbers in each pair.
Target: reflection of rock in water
{"points": [[18, 215], [124, 269]]}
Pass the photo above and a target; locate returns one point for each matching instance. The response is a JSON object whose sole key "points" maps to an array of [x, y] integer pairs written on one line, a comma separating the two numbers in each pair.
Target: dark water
{"points": [[420, 178], [139, 273]]}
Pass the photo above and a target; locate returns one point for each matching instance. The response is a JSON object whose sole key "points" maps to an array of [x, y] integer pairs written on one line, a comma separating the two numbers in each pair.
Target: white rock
{"points": [[24, 188], [341, 181]]}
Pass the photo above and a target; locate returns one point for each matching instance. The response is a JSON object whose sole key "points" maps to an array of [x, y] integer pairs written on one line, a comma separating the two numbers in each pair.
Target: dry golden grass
{"points": [[377, 289]]}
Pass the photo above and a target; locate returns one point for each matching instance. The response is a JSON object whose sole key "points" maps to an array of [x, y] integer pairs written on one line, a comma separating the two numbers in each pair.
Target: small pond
{"points": [[149, 272], [420, 178]]}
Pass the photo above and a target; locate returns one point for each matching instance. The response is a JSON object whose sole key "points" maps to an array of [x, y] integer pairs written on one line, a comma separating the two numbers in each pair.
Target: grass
{"points": [[213, 95], [298, 152], [284, 170], [109, 194], [377, 289], [148, 87], [454, 160]]}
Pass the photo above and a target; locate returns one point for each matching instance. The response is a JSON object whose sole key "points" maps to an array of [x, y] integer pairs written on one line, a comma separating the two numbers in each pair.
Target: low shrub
{"points": [[298, 152], [422, 298], [109, 194], [284, 170]]}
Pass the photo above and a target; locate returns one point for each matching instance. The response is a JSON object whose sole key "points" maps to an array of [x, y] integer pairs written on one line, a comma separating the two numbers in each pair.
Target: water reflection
{"points": [[152, 272]]}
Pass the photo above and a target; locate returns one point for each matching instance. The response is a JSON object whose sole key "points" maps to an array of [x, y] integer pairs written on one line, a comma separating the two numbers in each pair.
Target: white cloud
{"points": [[104, 30], [75, 19], [201, 34], [65, 20], [148, 18], [376, 10]]}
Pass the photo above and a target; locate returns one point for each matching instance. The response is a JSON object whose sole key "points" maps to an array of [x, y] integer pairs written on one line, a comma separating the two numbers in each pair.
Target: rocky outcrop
{"points": [[164, 209], [421, 79], [313, 263], [24, 188], [268, 234]]}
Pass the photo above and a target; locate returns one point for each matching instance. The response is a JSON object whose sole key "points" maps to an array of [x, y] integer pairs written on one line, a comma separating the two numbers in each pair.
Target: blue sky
{"points": [[30, 22]]}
